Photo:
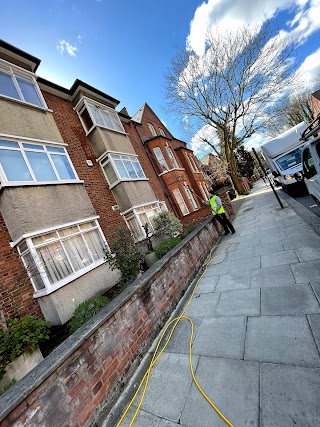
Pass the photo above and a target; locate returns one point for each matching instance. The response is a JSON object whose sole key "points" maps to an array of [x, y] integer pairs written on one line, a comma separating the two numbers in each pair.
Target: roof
{"points": [[284, 142], [31, 61], [316, 94], [137, 117]]}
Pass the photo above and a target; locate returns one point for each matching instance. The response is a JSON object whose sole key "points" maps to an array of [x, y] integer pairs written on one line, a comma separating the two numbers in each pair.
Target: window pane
{"points": [[63, 166], [95, 113], [77, 252], [68, 231], [10, 144], [107, 120], [121, 169], [160, 158], [45, 238], [115, 121], [135, 228], [41, 166], [139, 170], [14, 166], [33, 146], [7, 86], [95, 244], [182, 205], [130, 169], [112, 177], [56, 150], [55, 262], [29, 92], [33, 271], [87, 225], [86, 119]]}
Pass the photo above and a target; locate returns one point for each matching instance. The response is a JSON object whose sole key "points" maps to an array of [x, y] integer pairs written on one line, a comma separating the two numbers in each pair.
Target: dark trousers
{"points": [[226, 224]]}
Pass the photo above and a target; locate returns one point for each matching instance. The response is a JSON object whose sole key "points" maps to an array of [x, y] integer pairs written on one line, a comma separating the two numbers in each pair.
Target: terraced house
{"points": [[72, 171]]}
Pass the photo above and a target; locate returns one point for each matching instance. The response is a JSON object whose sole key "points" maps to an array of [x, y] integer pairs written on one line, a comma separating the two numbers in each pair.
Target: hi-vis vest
{"points": [[214, 206]]}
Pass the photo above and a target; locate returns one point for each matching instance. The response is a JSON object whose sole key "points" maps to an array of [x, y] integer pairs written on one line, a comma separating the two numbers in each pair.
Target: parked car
{"points": [[311, 159]]}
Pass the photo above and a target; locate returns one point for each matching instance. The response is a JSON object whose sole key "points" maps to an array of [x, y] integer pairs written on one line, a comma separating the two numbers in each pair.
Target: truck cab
{"points": [[311, 159]]}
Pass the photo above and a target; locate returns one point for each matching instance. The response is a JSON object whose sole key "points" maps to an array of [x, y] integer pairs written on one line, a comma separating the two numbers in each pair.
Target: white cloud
{"points": [[63, 46], [226, 15], [198, 145], [309, 71], [255, 141]]}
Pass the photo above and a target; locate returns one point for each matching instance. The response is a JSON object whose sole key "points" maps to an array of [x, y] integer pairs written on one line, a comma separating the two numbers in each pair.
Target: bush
{"points": [[166, 246], [85, 311], [166, 223], [20, 336], [124, 255], [187, 230]]}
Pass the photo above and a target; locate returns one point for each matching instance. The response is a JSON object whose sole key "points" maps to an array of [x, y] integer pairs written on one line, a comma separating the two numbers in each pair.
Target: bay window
{"points": [[172, 158], [140, 216], [121, 167], [20, 86], [59, 256], [96, 114], [22, 162]]}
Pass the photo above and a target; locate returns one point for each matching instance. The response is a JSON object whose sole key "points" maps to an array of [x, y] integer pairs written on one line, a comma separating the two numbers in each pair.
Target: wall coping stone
{"points": [[19, 391]]}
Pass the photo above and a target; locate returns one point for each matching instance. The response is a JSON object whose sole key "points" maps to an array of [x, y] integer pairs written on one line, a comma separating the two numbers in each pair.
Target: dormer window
{"points": [[20, 86], [94, 114], [161, 131]]}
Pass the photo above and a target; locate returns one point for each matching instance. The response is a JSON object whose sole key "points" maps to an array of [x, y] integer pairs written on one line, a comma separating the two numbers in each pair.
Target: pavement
{"points": [[257, 331]]}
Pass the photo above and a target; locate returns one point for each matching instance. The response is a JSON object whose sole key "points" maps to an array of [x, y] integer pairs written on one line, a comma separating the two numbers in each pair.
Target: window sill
{"points": [[38, 183], [170, 170], [66, 280], [127, 180], [19, 101]]}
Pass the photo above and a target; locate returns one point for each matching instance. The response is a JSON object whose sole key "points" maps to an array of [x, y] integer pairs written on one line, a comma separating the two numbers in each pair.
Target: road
{"points": [[308, 202]]}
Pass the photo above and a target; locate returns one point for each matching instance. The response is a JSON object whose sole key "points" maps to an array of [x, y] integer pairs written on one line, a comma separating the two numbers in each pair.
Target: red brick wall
{"points": [[79, 385], [15, 287], [80, 150]]}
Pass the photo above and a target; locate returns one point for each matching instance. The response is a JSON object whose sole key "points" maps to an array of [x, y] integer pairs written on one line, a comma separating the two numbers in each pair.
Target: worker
{"points": [[218, 212]]}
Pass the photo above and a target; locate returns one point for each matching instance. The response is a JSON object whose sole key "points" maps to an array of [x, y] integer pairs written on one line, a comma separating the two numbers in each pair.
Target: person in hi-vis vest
{"points": [[219, 213]]}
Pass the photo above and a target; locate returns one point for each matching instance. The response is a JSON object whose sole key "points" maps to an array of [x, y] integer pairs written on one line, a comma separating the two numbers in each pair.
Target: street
{"points": [[308, 202]]}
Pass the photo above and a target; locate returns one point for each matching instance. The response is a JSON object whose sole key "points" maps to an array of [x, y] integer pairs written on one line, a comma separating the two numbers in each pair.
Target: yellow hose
{"points": [[155, 358]]}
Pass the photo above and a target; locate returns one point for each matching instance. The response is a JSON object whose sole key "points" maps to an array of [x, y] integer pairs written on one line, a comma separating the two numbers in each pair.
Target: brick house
{"points": [[315, 101], [175, 166], [72, 171]]}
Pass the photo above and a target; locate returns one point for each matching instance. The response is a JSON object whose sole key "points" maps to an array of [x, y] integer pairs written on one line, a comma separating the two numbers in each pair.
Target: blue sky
{"points": [[124, 47]]}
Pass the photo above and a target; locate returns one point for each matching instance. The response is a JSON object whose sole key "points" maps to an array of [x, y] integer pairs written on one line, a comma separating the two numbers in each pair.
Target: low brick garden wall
{"points": [[86, 374]]}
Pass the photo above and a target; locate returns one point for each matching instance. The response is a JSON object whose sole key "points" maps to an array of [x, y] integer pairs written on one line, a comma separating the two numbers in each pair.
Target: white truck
{"points": [[311, 159], [283, 154]]}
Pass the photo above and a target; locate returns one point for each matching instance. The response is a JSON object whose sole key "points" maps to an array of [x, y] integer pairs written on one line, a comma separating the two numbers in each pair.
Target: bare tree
{"points": [[233, 88]]}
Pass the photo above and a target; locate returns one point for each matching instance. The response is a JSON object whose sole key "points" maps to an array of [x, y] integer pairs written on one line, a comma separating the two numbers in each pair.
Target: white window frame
{"points": [[193, 164], [161, 131], [87, 103], [172, 158], [152, 129], [14, 72], [134, 213], [46, 149], [177, 193], [32, 249], [128, 157], [190, 197], [204, 191], [161, 158]]}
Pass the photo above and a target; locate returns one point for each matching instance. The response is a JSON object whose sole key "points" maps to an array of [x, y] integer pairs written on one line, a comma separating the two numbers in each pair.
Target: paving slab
{"points": [[314, 321], [203, 305], [207, 284], [240, 254], [233, 281], [281, 235], [232, 385], [143, 419], [308, 242], [245, 242], [221, 337], [316, 289], [288, 300], [246, 264], [179, 342], [281, 339], [308, 254], [166, 423], [268, 248], [306, 271], [296, 232], [241, 302], [279, 258], [279, 275], [169, 386], [289, 396], [216, 270]]}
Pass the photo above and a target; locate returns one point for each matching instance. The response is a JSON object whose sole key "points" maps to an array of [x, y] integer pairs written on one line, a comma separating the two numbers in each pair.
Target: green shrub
{"points": [[166, 246], [166, 223], [85, 311], [124, 255], [20, 336]]}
